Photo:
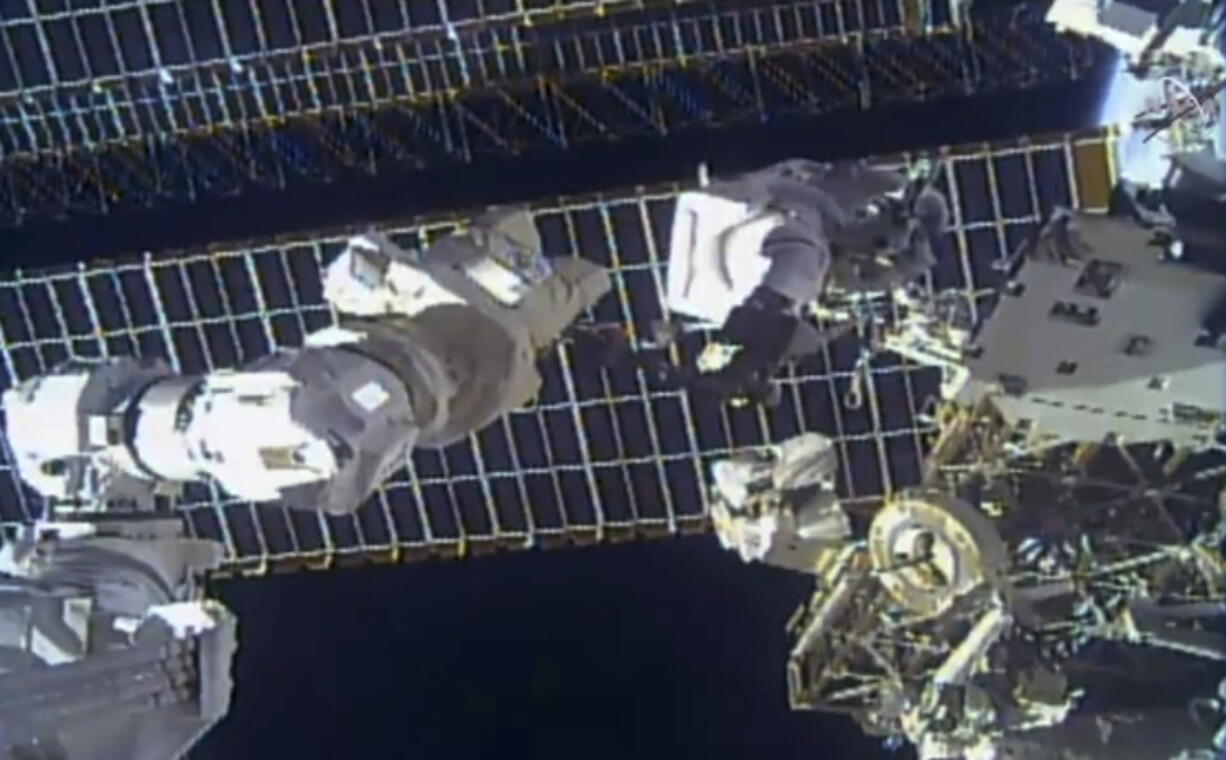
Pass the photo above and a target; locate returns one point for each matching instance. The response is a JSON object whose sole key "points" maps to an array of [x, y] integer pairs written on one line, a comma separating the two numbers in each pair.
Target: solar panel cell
{"points": [[208, 522], [72, 309], [1053, 178], [646, 491], [891, 409], [244, 531], [422, 12], [253, 338], [374, 523], [276, 530], [986, 250], [307, 530], [14, 327], [543, 498], [150, 343], [233, 280], [341, 531], [441, 508], [975, 196], [1014, 186], [580, 498], [53, 353], [35, 305], [507, 493]]}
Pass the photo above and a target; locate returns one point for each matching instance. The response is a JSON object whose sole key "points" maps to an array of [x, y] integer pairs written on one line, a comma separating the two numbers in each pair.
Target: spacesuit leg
{"points": [[764, 328]]}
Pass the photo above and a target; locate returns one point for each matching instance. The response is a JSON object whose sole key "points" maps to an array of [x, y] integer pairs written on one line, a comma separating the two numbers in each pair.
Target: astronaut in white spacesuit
{"points": [[750, 253]]}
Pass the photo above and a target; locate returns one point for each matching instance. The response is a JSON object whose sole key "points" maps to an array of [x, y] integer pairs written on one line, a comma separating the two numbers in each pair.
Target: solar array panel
{"points": [[599, 455], [115, 106], [77, 73]]}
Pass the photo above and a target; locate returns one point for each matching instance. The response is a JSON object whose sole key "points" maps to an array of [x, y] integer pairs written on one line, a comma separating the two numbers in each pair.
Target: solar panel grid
{"points": [[135, 37], [127, 70], [598, 453]]}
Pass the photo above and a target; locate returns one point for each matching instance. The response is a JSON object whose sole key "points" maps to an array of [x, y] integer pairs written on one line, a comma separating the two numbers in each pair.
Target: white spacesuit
{"points": [[748, 254]]}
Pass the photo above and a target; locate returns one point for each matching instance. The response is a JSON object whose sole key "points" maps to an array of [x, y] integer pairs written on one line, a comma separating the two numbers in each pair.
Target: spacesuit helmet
{"points": [[878, 227]]}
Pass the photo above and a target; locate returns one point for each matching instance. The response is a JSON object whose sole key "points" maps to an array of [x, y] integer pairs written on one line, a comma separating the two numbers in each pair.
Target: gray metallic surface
{"points": [[1196, 198], [147, 694], [1127, 18], [490, 350], [1130, 364], [368, 443]]}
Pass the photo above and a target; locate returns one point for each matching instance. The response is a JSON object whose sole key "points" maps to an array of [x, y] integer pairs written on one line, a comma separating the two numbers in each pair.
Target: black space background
{"points": [[669, 650], [666, 650]]}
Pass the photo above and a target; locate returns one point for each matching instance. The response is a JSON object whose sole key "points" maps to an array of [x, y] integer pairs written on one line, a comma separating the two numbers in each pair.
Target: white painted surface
{"points": [[41, 423], [715, 255], [184, 618], [370, 396]]}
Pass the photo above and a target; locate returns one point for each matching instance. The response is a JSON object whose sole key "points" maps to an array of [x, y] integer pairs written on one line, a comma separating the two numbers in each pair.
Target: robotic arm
{"points": [[428, 350]]}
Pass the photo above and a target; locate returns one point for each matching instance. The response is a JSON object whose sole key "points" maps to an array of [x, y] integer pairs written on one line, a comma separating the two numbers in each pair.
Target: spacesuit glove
{"points": [[763, 326]]}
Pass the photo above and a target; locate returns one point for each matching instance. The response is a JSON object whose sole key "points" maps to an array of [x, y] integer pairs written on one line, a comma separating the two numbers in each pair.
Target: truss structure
{"points": [[175, 101], [1134, 519], [599, 456]]}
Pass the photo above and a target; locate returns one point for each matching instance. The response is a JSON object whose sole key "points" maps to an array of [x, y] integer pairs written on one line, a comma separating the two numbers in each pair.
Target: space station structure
{"points": [[998, 608], [1166, 99], [1067, 535], [429, 348], [750, 254], [109, 644], [1146, 33], [1096, 334]]}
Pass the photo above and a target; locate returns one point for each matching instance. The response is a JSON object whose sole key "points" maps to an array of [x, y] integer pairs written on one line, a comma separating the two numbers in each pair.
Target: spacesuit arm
{"points": [[799, 256]]}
